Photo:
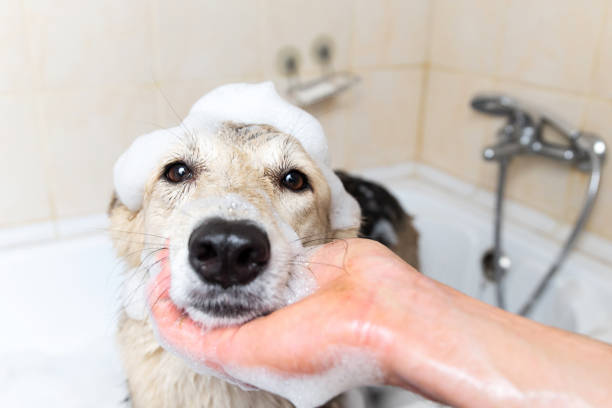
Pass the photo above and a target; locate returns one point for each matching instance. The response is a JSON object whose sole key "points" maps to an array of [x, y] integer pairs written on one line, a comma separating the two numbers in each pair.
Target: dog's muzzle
{"points": [[228, 253]]}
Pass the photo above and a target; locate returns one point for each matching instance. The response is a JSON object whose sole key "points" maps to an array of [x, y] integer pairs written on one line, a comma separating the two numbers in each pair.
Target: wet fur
{"points": [[156, 378]]}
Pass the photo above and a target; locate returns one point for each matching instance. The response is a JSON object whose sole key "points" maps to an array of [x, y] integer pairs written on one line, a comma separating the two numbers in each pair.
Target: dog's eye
{"points": [[177, 172], [295, 180]]}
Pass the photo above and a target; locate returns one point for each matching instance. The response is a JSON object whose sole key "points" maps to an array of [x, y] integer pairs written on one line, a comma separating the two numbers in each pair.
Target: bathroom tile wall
{"points": [[552, 53], [80, 80]]}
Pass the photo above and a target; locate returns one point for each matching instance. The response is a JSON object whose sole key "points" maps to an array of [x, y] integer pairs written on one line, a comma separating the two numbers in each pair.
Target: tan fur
{"points": [[156, 378]]}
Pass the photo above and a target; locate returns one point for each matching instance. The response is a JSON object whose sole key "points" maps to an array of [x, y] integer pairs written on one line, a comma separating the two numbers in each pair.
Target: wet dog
{"points": [[235, 204]]}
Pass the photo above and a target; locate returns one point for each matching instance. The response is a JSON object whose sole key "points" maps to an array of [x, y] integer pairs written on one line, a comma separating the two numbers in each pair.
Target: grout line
{"points": [[425, 74], [430, 30], [44, 140], [156, 58], [597, 56], [26, 223], [351, 41], [515, 81], [388, 67], [423, 98], [35, 98], [386, 37], [501, 38]]}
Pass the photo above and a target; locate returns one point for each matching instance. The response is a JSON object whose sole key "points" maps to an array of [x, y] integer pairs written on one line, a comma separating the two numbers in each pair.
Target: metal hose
{"points": [[592, 190], [498, 274]]}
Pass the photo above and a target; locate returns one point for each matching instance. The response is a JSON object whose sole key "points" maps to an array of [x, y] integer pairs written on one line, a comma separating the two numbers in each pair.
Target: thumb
{"points": [[327, 262]]}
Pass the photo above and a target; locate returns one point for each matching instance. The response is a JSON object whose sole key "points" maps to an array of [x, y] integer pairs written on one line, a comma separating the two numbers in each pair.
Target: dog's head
{"points": [[235, 194]]}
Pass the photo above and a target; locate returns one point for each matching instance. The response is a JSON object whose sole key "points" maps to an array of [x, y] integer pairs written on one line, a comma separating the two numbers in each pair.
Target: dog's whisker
{"points": [[112, 230], [180, 120], [143, 245], [148, 267], [139, 252], [160, 297], [143, 279]]}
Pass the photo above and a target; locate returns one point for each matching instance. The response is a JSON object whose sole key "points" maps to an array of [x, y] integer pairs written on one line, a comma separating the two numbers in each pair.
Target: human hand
{"points": [[374, 319], [345, 329]]}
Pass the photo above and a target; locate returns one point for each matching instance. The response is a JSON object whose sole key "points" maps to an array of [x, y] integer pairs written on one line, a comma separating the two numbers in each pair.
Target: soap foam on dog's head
{"points": [[240, 103], [236, 148]]}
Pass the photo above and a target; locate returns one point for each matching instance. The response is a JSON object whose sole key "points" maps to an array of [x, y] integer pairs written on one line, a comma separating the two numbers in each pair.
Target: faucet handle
{"points": [[502, 105], [497, 105]]}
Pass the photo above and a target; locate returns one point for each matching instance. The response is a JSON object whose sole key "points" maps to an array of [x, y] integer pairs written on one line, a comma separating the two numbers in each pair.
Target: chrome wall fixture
{"points": [[523, 134], [329, 84]]}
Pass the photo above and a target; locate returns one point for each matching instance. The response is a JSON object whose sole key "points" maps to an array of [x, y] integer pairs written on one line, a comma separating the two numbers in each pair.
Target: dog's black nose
{"points": [[228, 253]]}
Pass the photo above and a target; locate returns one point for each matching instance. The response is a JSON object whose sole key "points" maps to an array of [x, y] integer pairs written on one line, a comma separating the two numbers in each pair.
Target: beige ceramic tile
{"points": [[599, 121], [390, 32], [87, 131], [25, 193], [602, 81], [15, 69], [382, 118], [552, 42], [90, 43], [298, 24], [207, 39], [175, 98], [539, 183], [178, 97], [563, 105], [466, 34], [454, 135], [333, 115]]}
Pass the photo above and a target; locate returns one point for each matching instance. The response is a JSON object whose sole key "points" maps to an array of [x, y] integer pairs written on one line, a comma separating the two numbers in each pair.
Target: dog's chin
{"points": [[223, 313]]}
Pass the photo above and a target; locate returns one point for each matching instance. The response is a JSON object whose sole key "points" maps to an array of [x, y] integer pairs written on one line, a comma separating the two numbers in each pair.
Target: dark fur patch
{"points": [[376, 203], [379, 208]]}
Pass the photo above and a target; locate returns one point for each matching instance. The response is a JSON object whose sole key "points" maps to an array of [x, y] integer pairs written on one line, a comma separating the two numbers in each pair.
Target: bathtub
{"points": [[61, 284]]}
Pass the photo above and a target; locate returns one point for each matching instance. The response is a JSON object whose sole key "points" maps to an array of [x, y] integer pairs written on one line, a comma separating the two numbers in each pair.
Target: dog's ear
{"points": [[126, 231]]}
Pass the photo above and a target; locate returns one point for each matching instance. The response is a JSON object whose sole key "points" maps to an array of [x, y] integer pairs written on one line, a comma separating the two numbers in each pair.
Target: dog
{"points": [[236, 194]]}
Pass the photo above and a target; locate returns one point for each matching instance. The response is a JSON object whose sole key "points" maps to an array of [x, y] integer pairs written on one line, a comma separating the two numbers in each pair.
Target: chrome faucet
{"points": [[523, 134]]}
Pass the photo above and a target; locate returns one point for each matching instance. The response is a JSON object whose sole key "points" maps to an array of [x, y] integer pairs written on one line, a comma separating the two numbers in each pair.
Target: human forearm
{"points": [[477, 355]]}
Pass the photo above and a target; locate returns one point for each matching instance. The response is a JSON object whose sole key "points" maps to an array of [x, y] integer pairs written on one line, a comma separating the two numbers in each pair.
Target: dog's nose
{"points": [[228, 253]]}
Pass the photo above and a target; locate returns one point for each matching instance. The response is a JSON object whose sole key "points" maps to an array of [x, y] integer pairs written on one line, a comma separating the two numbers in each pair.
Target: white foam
{"points": [[350, 368], [259, 104], [244, 103], [134, 167]]}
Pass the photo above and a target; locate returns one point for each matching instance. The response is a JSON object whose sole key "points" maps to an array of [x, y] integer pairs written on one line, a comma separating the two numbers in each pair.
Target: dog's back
{"points": [[383, 218]]}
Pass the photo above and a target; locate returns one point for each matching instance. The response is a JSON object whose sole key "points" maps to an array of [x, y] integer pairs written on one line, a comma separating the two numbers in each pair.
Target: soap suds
{"points": [[137, 163], [243, 103], [350, 368]]}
